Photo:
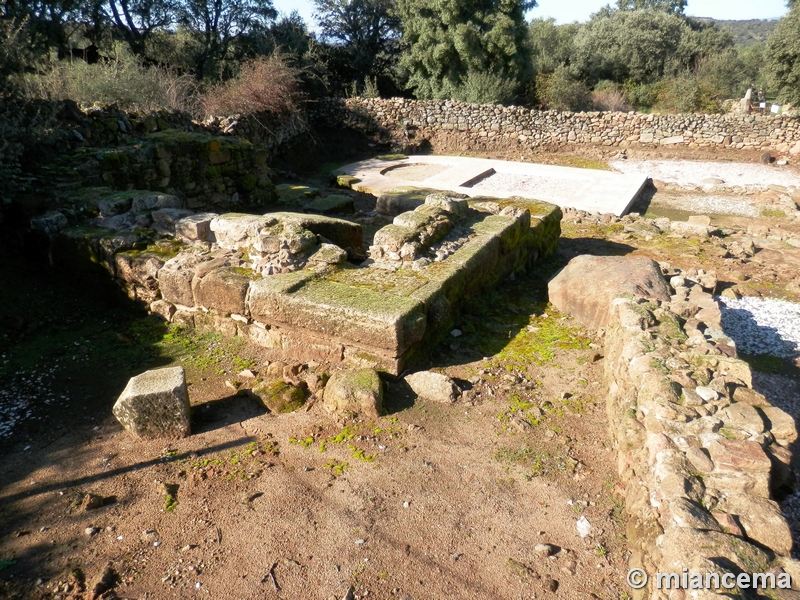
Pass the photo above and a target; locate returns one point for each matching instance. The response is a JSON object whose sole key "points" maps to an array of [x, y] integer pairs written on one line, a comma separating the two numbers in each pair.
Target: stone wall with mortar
{"points": [[700, 453], [496, 124]]}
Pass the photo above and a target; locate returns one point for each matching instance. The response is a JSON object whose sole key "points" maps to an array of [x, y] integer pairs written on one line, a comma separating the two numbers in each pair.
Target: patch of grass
{"points": [[773, 212], [538, 462], [581, 162], [337, 467], [358, 454], [305, 442], [538, 342], [170, 497], [7, 562]]}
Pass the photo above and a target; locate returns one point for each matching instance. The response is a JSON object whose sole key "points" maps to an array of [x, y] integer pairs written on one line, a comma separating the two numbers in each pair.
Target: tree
{"points": [[364, 36], [448, 43], [638, 46], [136, 20], [783, 52], [675, 7], [551, 45], [215, 24]]}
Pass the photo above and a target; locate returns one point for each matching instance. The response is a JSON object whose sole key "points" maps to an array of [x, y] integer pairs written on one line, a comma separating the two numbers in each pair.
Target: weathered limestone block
{"points": [[357, 391], [354, 314], [223, 289], [436, 387], [165, 219], [332, 204], [452, 204], [234, 230], [196, 227], [586, 287], [155, 404], [175, 278], [343, 233], [51, 222], [145, 201]]}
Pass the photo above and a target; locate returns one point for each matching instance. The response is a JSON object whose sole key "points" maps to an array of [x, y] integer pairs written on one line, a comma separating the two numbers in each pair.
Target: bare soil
{"points": [[429, 501]]}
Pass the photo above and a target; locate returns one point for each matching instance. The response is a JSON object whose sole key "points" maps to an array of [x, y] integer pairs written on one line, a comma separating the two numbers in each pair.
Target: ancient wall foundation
{"points": [[701, 454], [494, 124]]}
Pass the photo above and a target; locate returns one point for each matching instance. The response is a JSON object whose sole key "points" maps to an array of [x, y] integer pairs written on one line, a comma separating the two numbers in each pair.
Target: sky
{"points": [[567, 11]]}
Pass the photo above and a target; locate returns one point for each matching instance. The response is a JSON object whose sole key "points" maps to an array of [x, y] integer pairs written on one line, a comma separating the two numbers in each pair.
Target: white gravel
{"points": [[23, 396], [720, 205], [762, 325], [688, 173]]}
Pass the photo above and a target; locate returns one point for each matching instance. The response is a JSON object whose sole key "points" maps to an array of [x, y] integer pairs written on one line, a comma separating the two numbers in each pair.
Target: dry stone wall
{"points": [[533, 128], [700, 452]]}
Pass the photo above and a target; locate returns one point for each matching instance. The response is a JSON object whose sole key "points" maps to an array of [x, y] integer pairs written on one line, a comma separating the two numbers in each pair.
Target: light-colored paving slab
{"points": [[585, 189]]}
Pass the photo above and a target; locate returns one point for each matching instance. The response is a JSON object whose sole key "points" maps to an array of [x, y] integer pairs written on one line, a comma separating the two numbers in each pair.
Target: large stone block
{"points": [[586, 287], [155, 404], [223, 289], [175, 278]]}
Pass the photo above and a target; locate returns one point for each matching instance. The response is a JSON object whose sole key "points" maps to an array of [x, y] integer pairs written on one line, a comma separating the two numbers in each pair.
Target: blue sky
{"points": [[567, 11]]}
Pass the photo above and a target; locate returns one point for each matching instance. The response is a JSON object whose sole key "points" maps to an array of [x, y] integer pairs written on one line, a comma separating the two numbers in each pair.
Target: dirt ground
{"points": [[429, 501]]}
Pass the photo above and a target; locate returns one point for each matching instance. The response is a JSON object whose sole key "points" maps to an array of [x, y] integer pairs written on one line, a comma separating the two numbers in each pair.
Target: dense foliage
{"points": [[632, 54]]}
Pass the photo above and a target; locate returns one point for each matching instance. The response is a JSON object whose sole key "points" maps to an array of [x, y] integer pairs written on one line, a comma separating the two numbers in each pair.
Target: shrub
{"points": [[484, 87], [607, 96], [123, 80], [562, 90], [264, 85]]}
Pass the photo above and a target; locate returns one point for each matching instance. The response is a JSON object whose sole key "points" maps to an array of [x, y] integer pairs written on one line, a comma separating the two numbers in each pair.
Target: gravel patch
{"points": [[526, 185], [22, 394], [720, 205], [692, 173], [762, 325]]}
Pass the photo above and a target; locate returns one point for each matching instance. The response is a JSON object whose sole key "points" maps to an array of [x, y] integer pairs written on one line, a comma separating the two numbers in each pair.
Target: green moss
{"points": [[248, 183], [346, 181], [280, 397], [539, 343], [772, 212], [581, 162]]}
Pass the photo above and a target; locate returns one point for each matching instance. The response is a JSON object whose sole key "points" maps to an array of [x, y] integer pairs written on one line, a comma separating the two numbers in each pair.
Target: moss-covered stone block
{"points": [[279, 396]]}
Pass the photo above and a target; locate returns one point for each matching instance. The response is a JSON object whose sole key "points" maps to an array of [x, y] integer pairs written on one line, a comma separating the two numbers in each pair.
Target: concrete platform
{"points": [[584, 189]]}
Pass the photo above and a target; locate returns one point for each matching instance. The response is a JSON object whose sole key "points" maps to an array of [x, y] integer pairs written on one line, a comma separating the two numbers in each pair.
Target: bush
{"points": [[266, 85], [483, 87], [123, 81], [607, 96], [562, 90]]}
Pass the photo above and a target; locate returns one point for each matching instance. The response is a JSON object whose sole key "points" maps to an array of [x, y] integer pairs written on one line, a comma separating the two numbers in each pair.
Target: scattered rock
{"points": [[436, 387], [155, 404], [545, 549]]}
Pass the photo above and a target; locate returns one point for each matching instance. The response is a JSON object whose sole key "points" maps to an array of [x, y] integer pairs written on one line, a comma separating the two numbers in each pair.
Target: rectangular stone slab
{"points": [[591, 190]]}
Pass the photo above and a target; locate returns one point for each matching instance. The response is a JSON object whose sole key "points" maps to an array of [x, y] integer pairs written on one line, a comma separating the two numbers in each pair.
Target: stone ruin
{"points": [[284, 281]]}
